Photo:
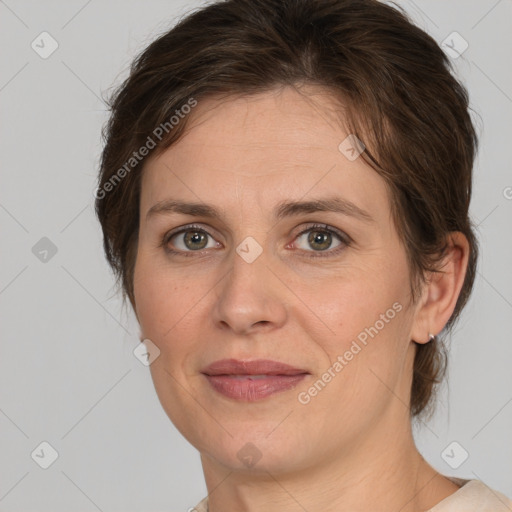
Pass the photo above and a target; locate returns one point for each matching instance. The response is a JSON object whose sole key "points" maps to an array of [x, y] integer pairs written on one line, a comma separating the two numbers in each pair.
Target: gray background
{"points": [[67, 372]]}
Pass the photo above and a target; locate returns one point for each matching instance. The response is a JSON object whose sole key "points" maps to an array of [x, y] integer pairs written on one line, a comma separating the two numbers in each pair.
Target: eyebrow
{"points": [[281, 211]]}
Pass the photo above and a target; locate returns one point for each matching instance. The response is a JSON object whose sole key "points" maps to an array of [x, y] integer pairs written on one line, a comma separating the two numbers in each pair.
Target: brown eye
{"points": [[189, 239], [195, 240], [320, 239]]}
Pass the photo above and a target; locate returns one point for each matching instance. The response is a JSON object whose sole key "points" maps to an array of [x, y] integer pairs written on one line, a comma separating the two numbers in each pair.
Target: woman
{"points": [[284, 196]]}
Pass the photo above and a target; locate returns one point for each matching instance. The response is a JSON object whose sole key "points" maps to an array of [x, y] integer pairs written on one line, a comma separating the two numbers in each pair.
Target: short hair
{"points": [[399, 96]]}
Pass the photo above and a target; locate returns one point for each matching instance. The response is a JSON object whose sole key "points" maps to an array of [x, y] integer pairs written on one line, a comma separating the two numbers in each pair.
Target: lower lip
{"points": [[250, 389]]}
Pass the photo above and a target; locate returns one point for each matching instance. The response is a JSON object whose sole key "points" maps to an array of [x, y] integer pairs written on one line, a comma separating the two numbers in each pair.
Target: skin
{"points": [[351, 447]]}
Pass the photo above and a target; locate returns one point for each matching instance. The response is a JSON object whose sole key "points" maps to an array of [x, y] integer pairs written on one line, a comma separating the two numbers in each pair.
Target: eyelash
{"points": [[344, 238]]}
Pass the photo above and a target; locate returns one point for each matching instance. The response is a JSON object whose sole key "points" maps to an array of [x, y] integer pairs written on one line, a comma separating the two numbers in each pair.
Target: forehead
{"points": [[260, 150], [288, 123]]}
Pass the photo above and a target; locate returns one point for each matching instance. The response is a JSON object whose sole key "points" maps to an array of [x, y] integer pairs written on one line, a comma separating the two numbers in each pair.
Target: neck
{"points": [[380, 471]]}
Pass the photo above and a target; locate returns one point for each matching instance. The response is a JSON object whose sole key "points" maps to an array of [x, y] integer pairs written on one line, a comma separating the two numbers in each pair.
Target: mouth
{"points": [[250, 381]]}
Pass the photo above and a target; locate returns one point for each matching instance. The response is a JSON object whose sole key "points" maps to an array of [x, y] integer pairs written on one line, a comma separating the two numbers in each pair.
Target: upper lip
{"points": [[254, 367]]}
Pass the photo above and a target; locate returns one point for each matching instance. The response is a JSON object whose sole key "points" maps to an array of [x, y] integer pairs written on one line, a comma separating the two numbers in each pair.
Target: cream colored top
{"points": [[473, 496]]}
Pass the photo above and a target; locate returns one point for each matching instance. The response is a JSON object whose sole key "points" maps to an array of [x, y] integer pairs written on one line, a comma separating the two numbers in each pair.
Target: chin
{"points": [[248, 451]]}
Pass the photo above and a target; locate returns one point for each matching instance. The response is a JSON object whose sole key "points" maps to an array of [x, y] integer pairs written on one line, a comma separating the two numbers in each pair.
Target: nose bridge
{"points": [[249, 294]]}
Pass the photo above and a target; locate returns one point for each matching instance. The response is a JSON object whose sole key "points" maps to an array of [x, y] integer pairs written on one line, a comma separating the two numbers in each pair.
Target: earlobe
{"points": [[442, 290]]}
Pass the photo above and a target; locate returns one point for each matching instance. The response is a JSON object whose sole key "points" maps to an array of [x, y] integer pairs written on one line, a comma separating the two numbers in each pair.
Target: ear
{"points": [[441, 290]]}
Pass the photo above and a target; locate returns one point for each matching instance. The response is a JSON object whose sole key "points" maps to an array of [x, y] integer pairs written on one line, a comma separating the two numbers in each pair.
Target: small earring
{"points": [[431, 336]]}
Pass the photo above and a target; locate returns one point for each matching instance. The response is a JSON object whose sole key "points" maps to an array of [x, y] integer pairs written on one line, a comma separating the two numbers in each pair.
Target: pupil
{"points": [[321, 238], [195, 237]]}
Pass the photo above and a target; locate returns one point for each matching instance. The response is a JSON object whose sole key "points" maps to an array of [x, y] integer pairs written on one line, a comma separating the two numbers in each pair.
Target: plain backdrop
{"points": [[68, 376]]}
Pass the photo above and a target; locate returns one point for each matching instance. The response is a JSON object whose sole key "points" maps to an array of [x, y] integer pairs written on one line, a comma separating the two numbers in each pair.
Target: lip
{"points": [[252, 380], [253, 367]]}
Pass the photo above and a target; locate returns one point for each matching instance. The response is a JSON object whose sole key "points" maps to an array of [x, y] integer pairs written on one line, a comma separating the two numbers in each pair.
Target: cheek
{"points": [[171, 305], [158, 308], [355, 302], [367, 316]]}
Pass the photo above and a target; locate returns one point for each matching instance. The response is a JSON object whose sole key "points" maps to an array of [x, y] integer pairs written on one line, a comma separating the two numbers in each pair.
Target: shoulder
{"points": [[473, 496], [202, 506]]}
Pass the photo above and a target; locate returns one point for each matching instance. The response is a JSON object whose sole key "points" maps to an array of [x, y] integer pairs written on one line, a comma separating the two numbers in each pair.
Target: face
{"points": [[325, 292]]}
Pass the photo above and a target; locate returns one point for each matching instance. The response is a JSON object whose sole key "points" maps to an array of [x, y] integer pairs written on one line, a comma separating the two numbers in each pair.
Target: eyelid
{"points": [[325, 227], [183, 229], [344, 238], [346, 241], [186, 227]]}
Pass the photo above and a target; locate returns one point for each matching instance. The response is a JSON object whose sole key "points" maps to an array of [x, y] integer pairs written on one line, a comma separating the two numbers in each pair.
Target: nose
{"points": [[250, 298]]}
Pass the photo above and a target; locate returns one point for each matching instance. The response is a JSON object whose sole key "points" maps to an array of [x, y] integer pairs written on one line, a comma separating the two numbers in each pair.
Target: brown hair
{"points": [[400, 99]]}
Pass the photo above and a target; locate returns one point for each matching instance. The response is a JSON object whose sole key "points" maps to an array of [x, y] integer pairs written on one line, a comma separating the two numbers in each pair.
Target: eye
{"points": [[193, 239], [320, 239], [188, 239]]}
